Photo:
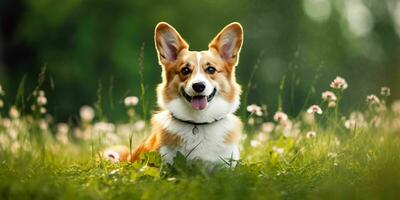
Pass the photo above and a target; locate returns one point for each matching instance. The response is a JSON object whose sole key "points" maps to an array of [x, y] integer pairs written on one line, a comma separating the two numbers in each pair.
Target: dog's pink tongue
{"points": [[199, 102]]}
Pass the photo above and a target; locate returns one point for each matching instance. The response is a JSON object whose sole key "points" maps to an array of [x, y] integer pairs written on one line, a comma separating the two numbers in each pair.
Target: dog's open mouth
{"points": [[198, 102]]}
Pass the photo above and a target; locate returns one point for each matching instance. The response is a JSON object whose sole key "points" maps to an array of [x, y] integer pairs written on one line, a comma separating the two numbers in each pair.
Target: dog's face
{"points": [[198, 85]]}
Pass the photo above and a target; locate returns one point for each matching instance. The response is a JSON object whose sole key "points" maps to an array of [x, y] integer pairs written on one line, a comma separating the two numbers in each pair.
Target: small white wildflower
{"points": [[355, 121], [42, 110], [14, 114], [314, 109], [139, 125], [113, 172], [13, 133], [171, 179], [1, 103], [41, 93], [253, 108], [350, 124], [43, 125], [311, 134], [396, 107], [41, 100], [385, 91], [262, 137], [278, 150], [280, 117], [339, 83], [111, 139], [131, 101], [267, 127], [111, 155], [62, 129], [255, 143], [104, 127], [373, 100], [6, 122], [62, 137], [86, 113], [329, 96]]}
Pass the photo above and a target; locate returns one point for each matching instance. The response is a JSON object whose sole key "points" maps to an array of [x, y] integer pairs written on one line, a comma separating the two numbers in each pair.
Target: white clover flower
{"points": [[329, 96], [43, 110], [63, 138], [62, 129], [111, 155], [350, 124], [104, 127], [311, 134], [41, 93], [255, 143], [131, 101], [267, 127], [6, 122], [253, 108], [86, 113], [339, 83], [278, 150], [43, 125], [111, 139], [355, 121], [139, 125], [41, 100], [280, 117], [1, 103], [385, 91], [314, 109], [262, 137], [396, 107], [373, 100], [13, 113]]}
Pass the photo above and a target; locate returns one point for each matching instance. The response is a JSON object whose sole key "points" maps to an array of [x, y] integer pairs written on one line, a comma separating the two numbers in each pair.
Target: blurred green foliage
{"points": [[93, 47]]}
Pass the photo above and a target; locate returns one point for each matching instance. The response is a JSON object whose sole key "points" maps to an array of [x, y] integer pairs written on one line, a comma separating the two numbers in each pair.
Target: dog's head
{"points": [[198, 85]]}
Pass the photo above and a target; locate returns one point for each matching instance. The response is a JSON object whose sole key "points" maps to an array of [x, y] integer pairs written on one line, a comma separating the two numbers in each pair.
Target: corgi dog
{"points": [[197, 99]]}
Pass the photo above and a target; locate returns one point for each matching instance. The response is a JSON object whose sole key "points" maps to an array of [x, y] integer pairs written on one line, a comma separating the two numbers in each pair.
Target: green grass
{"points": [[363, 164], [354, 157]]}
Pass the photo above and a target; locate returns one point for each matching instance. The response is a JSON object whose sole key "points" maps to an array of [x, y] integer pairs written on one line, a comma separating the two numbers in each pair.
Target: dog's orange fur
{"points": [[171, 78]]}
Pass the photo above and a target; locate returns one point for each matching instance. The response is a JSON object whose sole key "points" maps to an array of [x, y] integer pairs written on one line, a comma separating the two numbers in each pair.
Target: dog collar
{"points": [[195, 130]]}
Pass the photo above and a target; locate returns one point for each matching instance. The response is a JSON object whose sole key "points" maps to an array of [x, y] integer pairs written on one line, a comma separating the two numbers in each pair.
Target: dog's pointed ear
{"points": [[168, 43], [228, 43]]}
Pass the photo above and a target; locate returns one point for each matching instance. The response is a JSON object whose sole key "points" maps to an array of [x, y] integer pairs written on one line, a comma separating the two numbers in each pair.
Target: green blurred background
{"points": [[92, 48]]}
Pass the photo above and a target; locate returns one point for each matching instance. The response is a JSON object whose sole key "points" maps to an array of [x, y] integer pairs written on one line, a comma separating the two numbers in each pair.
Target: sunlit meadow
{"points": [[321, 153]]}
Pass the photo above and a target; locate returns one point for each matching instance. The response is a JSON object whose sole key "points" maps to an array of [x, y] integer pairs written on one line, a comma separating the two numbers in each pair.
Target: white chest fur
{"points": [[208, 144]]}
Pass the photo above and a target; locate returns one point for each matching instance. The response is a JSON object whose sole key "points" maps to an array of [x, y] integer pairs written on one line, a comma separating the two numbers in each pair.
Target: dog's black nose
{"points": [[199, 87]]}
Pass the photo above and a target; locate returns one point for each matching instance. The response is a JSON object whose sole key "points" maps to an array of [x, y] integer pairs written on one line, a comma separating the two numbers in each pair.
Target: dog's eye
{"points": [[186, 71], [211, 70]]}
